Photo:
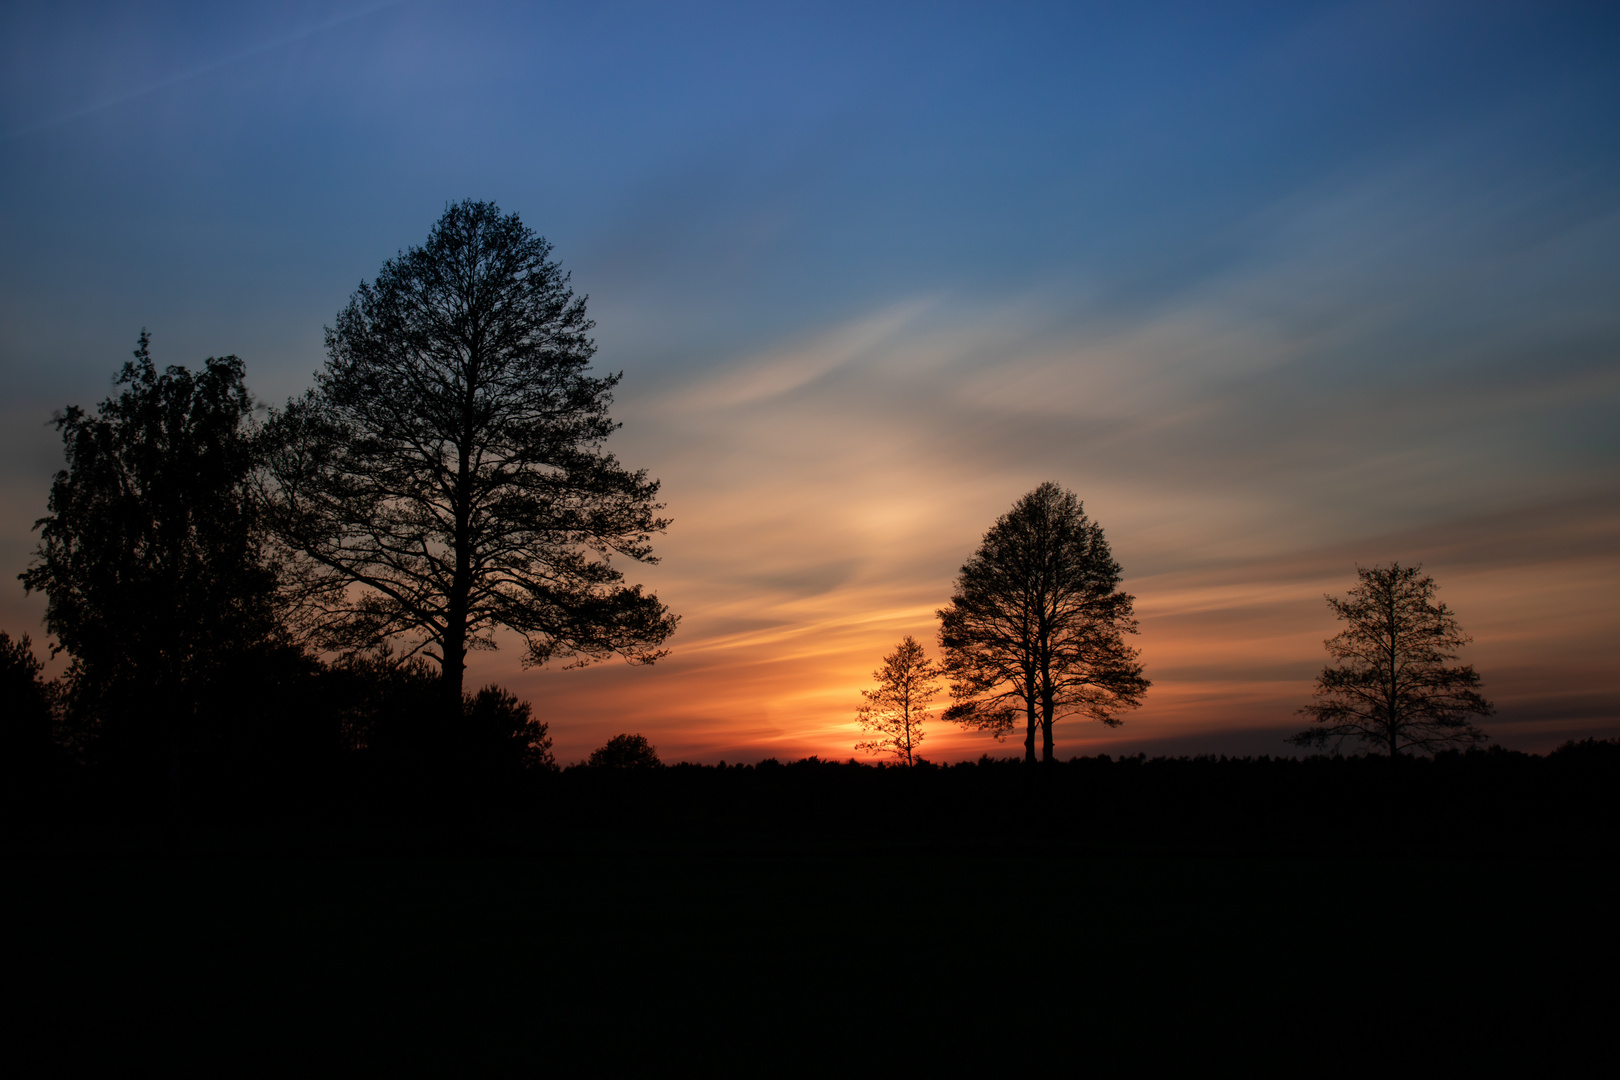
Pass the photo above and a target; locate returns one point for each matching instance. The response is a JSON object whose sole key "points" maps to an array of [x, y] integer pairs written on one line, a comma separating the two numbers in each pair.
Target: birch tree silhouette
{"points": [[151, 558]]}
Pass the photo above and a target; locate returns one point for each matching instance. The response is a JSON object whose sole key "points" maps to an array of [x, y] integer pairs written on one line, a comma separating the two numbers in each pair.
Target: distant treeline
{"points": [[371, 757], [1453, 798]]}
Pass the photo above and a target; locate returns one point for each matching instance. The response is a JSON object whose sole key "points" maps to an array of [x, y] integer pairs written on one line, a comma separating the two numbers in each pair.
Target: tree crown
{"points": [[446, 475], [894, 711], [1037, 620], [150, 553], [625, 752], [1390, 684]]}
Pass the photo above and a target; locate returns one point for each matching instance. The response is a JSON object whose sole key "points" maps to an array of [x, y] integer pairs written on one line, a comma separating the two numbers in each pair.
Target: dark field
{"points": [[1323, 914], [473, 963]]}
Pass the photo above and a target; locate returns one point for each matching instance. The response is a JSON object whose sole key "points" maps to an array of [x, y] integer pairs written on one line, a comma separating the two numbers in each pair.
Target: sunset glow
{"points": [[1276, 296], [820, 519]]}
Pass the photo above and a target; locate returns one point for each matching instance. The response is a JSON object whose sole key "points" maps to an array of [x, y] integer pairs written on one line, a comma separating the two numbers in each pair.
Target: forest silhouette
{"points": [[267, 623]]}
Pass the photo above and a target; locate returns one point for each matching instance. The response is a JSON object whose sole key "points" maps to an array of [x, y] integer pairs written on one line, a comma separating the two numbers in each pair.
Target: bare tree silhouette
{"points": [[446, 474], [1037, 624], [893, 713], [1390, 686]]}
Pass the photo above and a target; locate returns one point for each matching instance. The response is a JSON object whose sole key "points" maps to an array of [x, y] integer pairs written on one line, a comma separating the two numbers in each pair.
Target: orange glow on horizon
{"points": [[824, 498]]}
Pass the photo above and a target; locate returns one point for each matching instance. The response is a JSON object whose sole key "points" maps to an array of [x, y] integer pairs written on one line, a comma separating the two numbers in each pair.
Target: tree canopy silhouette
{"points": [[893, 713], [503, 734], [26, 701], [151, 558], [1390, 686], [625, 752], [1037, 624], [446, 475]]}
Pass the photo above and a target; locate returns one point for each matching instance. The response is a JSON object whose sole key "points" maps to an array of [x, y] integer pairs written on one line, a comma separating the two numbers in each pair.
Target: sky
{"points": [[1277, 289]]}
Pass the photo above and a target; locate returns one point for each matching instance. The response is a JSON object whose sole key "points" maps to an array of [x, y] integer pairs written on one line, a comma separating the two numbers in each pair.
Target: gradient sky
{"points": [[1277, 289]]}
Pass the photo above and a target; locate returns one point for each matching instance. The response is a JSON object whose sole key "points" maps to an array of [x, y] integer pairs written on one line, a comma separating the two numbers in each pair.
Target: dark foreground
{"points": [[806, 918]]}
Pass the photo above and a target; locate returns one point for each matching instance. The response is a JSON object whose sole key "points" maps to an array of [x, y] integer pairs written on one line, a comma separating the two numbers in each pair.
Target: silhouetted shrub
{"points": [[625, 752], [385, 707], [1588, 751], [25, 707], [505, 734]]}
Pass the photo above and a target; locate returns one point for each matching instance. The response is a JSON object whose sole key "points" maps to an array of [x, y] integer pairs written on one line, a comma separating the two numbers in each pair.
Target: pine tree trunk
{"points": [[453, 668], [1029, 739], [454, 649], [455, 631]]}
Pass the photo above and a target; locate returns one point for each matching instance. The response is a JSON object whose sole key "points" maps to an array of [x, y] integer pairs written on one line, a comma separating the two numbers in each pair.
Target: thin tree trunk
{"points": [[1029, 739], [1047, 708], [455, 631], [1390, 723]]}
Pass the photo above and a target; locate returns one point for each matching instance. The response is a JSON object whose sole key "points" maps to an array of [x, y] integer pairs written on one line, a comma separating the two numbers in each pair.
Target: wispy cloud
{"points": [[825, 493], [1276, 294], [779, 372], [217, 63]]}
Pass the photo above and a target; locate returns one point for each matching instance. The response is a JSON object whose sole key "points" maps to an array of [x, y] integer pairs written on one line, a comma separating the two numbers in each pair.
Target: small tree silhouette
{"points": [[625, 752], [893, 714], [1391, 687]]}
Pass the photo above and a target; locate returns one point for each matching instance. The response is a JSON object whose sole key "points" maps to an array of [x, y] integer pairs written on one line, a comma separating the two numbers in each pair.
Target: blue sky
{"points": [[1275, 287]]}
